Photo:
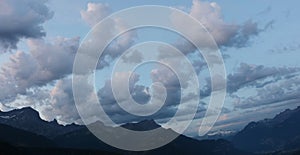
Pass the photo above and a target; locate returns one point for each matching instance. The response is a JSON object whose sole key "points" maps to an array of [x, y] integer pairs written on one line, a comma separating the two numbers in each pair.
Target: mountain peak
{"points": [[25, 112], [285, 115], [28, 109], [29, 119]]}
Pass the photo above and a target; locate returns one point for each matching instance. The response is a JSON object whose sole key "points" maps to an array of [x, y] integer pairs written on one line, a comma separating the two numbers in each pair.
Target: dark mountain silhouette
{"points": [[28, 139], [269, 135], [29, 120], [7, 149], [18, 137], [181, 145], [83, 139]]}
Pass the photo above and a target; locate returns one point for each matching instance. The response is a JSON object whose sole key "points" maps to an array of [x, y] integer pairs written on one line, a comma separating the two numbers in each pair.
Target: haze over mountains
{"points": [[24, 129]]}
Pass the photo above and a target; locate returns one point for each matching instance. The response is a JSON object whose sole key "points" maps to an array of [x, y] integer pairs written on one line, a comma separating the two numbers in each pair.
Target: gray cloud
{"points": [[219, 85], [286, 48], [284, 90], [45, 62], [21, 19], [247, 75], [251, 76], [56, 102], [134, 57], [225, 34], [236, 120], [62, 102], [93, 14], [139, 93]]}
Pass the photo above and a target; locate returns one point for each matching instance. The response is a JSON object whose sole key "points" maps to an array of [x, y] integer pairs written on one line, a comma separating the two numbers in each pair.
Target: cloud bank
{"points": [[45, 63]]}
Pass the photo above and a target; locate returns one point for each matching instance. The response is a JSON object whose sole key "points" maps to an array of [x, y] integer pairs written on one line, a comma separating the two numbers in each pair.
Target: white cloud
{"points": [[95, 12]]}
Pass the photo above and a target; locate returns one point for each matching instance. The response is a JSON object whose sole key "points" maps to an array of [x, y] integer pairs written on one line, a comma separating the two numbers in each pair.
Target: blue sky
{"points": [[263, 71], [284, 14]]}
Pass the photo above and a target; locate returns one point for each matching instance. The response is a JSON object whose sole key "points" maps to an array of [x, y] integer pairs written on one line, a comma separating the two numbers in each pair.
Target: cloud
{"points": [[55, 59], [247, 75], [95, 12], [284, 90], [238, 119], [62, 102], [265, 11], [256, 85], [209, 14], [108, 101], [141, 94], [57, 102], [21, 19], [225, 34], [45, 63], [15, 74], [286, 48], [219, 85], [134, 57], [258, 92]]}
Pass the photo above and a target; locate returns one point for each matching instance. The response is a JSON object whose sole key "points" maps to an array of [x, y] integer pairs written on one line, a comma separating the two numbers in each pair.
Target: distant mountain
{"points": [[28, 119], [270, 135]]}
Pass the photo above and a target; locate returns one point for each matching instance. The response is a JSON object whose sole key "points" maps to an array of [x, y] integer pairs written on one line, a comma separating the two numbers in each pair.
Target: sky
{"points": [[258, 39]]}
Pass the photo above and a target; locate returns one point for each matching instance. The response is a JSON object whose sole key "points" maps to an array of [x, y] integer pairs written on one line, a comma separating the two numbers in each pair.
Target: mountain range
{"points": [[22, 130], [271, 135], [43, 136], [29, 120]]}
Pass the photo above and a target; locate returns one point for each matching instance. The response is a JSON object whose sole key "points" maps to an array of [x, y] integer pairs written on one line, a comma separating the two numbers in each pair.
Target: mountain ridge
{"points": [[29, 119], [279, 133]]}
